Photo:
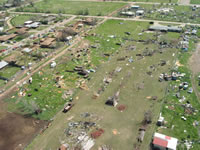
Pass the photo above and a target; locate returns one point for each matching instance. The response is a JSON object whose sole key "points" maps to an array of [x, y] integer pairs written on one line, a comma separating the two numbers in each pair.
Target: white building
{"points": [[3, 64], [140, 12], [163, 142]]}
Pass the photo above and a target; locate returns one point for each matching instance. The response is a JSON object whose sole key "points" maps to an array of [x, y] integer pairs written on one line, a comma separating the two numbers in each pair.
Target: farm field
{"points": [[132, 81], [73, 7], [194, 2]]}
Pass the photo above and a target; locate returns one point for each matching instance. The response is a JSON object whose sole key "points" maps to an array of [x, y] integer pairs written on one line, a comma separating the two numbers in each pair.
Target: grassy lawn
{"points": [[20, 19], [194, 2], [73, 7], [8, 72]]}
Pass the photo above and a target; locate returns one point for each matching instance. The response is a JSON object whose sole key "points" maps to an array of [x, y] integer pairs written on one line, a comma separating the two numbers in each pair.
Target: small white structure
{"points": [[3, 64], [28, 22], [135, 7], [194, 32], [165, 10], [53, 64], [30, 80], [140, 12], [163, 142], [27, 50], [1, 29], [33, 25], [128, 13], [69, 38], [160, 120]]}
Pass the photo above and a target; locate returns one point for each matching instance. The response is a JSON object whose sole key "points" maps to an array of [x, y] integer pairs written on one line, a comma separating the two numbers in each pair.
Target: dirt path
{"points": [[10, 26], [184, 2], [194, 64], [195, 61]]}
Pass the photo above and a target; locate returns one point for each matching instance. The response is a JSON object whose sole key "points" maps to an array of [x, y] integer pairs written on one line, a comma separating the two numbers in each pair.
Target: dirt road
{"points": [[195, 61], [194, 64]]}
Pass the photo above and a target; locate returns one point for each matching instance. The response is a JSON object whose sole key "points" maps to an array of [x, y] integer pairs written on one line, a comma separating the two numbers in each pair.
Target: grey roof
{"points": [[165, 28], [161, 28], [3, 64]]}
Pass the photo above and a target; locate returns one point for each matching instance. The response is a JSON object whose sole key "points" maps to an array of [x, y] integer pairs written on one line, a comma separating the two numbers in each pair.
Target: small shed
{"points": [[3, 64], [135, 6], [140, 12]]}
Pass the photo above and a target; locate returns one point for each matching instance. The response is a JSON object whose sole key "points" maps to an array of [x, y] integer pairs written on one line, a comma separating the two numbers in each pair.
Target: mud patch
{"points": [[16, 131]]}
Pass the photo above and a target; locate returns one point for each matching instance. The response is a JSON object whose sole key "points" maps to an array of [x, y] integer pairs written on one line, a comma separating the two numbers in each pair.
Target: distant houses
{"points": [[31, 24], [5, 38]]}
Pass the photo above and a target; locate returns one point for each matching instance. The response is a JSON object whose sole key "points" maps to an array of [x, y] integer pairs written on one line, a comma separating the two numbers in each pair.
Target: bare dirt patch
{"points": [[16, 131]]}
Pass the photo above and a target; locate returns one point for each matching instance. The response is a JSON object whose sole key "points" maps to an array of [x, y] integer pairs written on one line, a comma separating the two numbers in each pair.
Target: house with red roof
{"points": [[163, 142]]}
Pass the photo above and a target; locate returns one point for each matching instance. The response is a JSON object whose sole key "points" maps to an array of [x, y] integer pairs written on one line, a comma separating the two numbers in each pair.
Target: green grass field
{"points": [[194, 2], [20, 19], [73, 7], [8, 72]]}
